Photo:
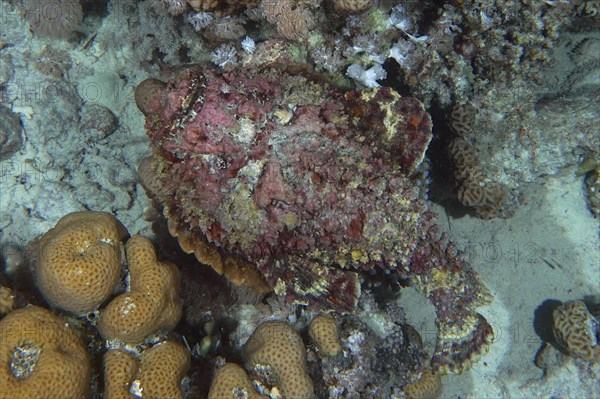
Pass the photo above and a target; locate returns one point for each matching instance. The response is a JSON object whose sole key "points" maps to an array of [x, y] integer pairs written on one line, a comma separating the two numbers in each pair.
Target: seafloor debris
{"points": [[306, 187]]}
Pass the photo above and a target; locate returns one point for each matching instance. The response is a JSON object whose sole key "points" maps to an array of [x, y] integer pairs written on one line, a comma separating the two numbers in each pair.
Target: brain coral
{"points": [[577, 330], [79, 264], [42, 356], [307, 187]]}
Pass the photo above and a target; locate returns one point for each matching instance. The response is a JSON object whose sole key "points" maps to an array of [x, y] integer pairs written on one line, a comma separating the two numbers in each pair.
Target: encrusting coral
{"points": [[577, 331], [323, 332], [42, 356], [78, 262], [276, 358], [156, 375], [231, 382], [151, 305]]}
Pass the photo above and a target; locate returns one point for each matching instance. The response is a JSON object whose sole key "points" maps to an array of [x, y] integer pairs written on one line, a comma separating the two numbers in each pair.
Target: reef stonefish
{"points": [[281, 181]]}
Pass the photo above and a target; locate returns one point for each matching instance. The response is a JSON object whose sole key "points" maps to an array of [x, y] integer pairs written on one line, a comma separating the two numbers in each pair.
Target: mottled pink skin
{"points": [[326, 176], [412, 135]]}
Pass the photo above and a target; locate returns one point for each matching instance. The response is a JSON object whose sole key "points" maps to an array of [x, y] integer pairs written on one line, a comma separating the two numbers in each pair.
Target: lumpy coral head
{"points": [[309, 185], [79, 261], [42, 356], [151, 305]]}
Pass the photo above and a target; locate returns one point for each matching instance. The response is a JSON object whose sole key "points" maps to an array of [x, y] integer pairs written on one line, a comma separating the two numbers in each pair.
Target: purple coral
{"points": [[311, 185]]}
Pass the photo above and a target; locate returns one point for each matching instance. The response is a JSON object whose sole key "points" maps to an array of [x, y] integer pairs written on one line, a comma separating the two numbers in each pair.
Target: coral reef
{"points": [[323, 332], [79, 262], [151, 305], [47, 355], [276, 358], [42, 356], [231, 382], [309, 187]]}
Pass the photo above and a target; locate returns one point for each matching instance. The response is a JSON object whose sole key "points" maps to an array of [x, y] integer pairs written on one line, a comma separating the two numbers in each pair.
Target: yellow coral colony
{"points": [[151, 305], [157, 375], [323, 332], [120, 368], [42, 356], [276, 346], [231, 382], [78, 265]]}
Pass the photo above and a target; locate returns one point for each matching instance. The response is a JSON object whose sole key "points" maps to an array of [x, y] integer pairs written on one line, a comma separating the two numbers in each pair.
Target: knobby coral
{"points": [[231, 382], [42, 356], [276, 357], [323, 331], [306, 187], [78, 263], [152, 303], [156, 375]]}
